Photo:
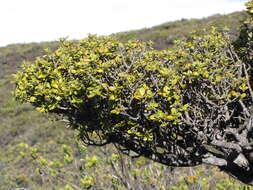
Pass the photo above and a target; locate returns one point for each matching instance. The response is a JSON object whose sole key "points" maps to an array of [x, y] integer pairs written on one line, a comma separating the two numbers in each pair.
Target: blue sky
{"points": [[47, 20]]}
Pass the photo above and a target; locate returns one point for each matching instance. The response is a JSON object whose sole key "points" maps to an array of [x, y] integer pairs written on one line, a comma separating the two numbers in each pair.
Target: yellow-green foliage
{"points": [[116, 172], [19, 123], [244, 42], [249, 6], [106, 86]]}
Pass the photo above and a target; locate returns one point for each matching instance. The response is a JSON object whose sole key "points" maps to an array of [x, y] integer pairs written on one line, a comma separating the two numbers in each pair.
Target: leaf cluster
{"points": [[131, 93]]}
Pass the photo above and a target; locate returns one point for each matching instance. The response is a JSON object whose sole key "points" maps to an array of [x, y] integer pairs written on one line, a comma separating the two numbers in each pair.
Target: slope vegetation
{"points": [[39, 153]]}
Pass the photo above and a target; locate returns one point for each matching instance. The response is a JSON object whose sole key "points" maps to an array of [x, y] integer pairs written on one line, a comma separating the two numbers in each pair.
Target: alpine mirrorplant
{"points": [[186, 106]]}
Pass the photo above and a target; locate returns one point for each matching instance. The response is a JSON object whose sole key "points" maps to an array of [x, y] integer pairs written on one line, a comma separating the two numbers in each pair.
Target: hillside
{"points": [[40, 153], [163, 35]]}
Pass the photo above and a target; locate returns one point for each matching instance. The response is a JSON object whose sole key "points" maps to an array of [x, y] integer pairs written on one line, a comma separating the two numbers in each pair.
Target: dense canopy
{"points": [[185, 106]]}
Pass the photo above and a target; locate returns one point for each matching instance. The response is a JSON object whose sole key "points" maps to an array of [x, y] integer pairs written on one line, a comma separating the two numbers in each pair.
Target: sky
{"points": [[25, 21]]}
